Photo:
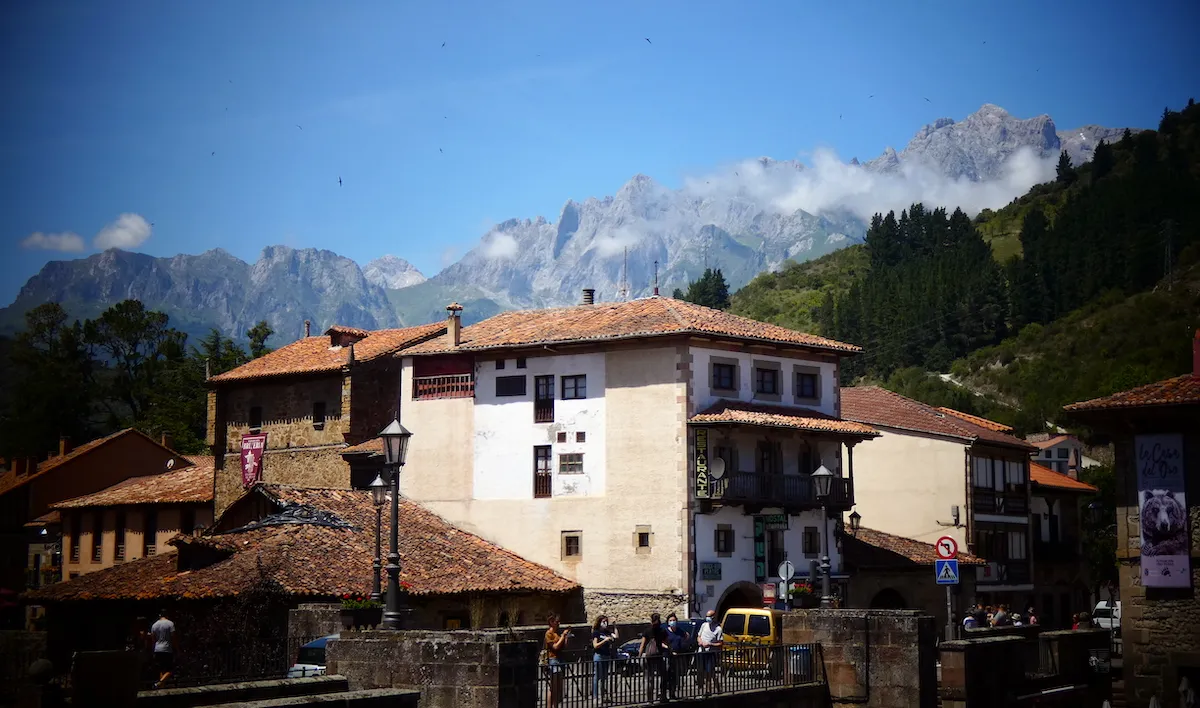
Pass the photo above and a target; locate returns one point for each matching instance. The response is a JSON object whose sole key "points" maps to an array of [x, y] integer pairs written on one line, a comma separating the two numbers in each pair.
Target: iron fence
{"points": [[583, 682], [228, 664]]}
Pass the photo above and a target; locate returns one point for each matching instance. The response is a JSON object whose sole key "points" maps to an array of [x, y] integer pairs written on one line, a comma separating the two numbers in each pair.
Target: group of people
{"points": [[662, 648], [160, 639], [981, 616]]}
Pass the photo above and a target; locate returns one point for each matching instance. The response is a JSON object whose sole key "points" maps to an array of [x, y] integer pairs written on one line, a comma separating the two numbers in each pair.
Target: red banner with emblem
{"points": [[252, 452]]}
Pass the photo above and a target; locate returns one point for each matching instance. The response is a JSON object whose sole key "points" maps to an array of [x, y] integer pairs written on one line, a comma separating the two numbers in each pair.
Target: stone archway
{"points": [[888, 599], [740, 594]]}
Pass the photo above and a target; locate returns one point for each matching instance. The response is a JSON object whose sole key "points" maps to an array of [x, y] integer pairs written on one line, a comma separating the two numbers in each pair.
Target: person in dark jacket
{"points": [[653, 650], [677, 639]]}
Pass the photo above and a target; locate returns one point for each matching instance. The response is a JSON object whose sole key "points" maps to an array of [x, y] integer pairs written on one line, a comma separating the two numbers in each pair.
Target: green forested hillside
{"points": [[1055, 311]]}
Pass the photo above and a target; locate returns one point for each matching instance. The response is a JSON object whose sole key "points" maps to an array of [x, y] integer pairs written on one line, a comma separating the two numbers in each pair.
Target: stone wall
{"points": [[287, 411], [306, 467], [883, 658], [374, 394], [917, 589], [632, 607]]}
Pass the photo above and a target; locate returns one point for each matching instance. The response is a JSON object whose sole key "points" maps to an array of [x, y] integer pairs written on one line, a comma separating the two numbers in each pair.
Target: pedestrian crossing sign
{"points": [[946, 571]]}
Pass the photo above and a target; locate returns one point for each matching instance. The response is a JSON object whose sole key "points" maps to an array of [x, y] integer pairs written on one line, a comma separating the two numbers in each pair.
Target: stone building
{"points": [[1155, 433], [311, 399], [1060, 575], [938, 472], [29, 527], [587, 439]]}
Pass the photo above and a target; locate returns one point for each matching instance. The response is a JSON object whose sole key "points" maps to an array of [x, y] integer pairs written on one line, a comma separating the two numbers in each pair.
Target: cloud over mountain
{"points": [[128, 231], [65, 241]]}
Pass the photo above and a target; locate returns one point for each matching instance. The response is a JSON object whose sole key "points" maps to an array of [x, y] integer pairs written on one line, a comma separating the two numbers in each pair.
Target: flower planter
{"points": [[365, 618], [805, 601]]}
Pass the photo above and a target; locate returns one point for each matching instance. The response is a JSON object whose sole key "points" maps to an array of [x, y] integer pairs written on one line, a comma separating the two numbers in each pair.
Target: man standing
{"points": [[711, 639], [163, 634]]}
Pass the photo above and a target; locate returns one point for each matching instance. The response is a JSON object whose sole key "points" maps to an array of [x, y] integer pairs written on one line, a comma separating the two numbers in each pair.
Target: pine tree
{"points": [[1126, 140], [1065, 171], [258, 335], [1102, 160]]}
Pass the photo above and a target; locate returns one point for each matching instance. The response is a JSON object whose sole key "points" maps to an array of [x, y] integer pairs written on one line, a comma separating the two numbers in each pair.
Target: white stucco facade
{"points": [[704, 395]]}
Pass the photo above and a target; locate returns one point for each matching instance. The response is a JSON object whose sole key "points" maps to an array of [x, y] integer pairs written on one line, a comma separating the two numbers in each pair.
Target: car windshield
{"points": [[311, 655], [1101, 613]]}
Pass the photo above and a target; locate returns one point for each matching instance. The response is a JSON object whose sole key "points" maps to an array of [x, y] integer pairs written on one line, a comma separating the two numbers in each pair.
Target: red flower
{"points": [[346, 596]]}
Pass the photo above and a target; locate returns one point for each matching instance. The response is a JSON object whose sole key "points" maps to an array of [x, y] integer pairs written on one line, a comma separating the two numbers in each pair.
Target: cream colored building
{"points": [[582, 438], [936, 472]]}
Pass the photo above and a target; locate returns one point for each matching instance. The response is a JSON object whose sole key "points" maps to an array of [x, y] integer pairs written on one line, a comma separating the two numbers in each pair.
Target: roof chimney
{"points": [[1073, 464], [18, 465], [1196, 355], [307, 328], [454, 324], [656, 277], [350, 355], [589, 296], [64, 445], [167, 441]]}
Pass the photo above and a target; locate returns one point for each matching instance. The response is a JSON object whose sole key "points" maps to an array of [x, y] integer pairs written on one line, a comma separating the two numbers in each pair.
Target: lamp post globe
{"points": [[822, 480], [379, 490], [855, 520], [395, 451], [395, 443]]}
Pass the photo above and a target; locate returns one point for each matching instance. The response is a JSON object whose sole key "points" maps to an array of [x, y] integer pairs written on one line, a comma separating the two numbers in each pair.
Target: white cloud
{"points": [[66, 242], [498, 244], [449, 255], [610, 242], [830, 186], [128, 231]]}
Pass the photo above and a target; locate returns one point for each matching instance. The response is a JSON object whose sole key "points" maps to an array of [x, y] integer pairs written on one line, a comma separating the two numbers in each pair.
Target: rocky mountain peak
{"points": [[392, 272]]}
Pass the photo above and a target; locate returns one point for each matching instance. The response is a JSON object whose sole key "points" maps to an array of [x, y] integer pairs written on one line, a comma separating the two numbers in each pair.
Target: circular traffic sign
{"points": [[946, 547], [786, 571]]}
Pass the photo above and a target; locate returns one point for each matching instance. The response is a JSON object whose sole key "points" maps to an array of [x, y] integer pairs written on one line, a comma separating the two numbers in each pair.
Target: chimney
{"points": [[167, 441], [18, 465], [64, 445], [656, 278], [1196, 355], [350, 355], [589, 296], [307, 328], [1073, 464], [454, 324]]}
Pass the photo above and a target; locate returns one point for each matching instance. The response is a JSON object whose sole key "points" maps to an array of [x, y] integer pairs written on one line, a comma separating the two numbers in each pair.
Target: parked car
{"points": [[629, 662], [1107, 615], [310, 659], [753, 636]]}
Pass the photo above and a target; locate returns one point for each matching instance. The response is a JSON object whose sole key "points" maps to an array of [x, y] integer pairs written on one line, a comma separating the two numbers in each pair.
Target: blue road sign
{"points": [[946, 571]]}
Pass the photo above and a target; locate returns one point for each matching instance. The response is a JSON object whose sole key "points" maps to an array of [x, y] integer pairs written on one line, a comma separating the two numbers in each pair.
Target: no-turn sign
{"points": [[946, 547]]}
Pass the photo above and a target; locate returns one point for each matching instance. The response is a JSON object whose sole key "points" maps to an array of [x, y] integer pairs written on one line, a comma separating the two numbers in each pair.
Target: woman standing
{"points": [[604, 644], [554, 644]]}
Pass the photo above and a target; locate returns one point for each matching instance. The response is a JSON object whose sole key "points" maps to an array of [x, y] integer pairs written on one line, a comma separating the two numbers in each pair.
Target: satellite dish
{"points": [[716, 468], [170, 463]]}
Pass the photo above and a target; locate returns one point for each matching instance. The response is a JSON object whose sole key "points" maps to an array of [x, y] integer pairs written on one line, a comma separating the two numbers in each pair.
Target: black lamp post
{"points": [[395, 450], [855, 522], [379, 490], [822, 481]]}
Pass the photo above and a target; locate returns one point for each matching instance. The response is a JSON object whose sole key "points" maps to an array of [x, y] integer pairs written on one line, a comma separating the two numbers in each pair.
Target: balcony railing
{"points": [[41, 577], [449, 386], [989, 502], [1003, 573], [789, 490]]}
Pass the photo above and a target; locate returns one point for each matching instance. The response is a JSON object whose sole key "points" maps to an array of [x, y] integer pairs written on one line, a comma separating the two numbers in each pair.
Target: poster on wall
{"points": [[1163, 511], [701, 461], [252, 452]]}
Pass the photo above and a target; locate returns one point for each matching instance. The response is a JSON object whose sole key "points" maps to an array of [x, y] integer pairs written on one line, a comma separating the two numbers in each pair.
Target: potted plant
{"points": [[803, 596], [360, 611]]}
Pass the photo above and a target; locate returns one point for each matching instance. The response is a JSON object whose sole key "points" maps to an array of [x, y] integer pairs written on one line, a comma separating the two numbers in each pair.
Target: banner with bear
{"points": [[1163, 511]]}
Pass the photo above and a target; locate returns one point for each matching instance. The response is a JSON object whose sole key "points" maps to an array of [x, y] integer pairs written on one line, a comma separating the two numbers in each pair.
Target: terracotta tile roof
{"points": [[1049, 442], [646, 317], [878, 406], [909, 550], [1046, 477], [740, 413], [981, 422], [374, 446], [312, 355], [50, 518], [189, 485], [12, 481], [352, 331], [1181, 390], [319, 561]]}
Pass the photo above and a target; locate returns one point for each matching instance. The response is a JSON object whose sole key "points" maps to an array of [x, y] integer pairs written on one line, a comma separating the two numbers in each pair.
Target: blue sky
{"points": [[117, 108]]}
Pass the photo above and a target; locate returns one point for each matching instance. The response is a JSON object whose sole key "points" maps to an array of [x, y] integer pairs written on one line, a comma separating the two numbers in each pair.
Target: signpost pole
{"points": [[949, 616]]}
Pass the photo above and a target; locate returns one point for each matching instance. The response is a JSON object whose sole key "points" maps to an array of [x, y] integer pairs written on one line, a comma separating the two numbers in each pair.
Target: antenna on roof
{"points": [[623, 288], [655, 277]]}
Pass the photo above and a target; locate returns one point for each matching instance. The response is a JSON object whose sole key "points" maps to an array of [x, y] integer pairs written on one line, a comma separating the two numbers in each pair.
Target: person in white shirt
{"points": [[710, 639], [163, 634]]}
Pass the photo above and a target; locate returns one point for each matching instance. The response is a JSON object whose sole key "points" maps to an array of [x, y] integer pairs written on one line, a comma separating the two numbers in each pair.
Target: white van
{"points": [[1107, 615]]}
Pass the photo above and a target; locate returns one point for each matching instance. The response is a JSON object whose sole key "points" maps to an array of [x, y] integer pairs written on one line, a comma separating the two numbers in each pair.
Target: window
{"points": [[499, 364], [572, 544], [812, 542], [768, 458], [521, 362], [808, 461], [542, 481], [149, 532], [97, 536], [119, 533], [760, 626], [255, 417], [570, 463], [806, 385], [642, 538], [723, 540], [76, 525], [562, 437], [1016, 545], [724, 377], [543, 399], [580, 437], [187, 521], [735, 623], [766, 381], [574, 387], [1063, 453], [510, 386], [319, 415], [1049, 454]]}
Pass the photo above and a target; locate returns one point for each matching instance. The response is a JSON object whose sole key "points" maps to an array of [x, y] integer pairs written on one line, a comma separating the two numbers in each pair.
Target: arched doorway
{"points": [[888, 599], [740, 594]]}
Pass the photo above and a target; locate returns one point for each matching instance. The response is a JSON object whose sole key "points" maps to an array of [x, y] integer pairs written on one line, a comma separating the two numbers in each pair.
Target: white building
{"points": [[586, 439], [1062, 453]]}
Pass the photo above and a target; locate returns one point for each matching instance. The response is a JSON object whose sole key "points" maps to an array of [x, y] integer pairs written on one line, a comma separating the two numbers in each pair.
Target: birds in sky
{"points": [[298, 126], [927, 100], [871, 96], [339, 180], [214, 152], [439, 150], [443, 44], [647, 40]]}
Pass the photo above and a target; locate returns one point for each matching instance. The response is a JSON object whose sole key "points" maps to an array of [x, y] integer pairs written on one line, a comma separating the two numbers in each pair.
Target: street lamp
{"points": [[395, 450], [379, 490], [855, 521], [822, 481]]}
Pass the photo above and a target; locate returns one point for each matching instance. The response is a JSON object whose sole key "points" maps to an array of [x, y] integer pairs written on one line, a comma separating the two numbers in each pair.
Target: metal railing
{"points": [[1003, 572], [448, 386], [779, 489], [585, 682], [990, 502]]}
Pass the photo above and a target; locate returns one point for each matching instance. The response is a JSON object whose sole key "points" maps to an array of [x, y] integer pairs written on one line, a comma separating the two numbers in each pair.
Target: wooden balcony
{"points": [[448, 386], [1007, 572], [791, 491], [1001, 503]]}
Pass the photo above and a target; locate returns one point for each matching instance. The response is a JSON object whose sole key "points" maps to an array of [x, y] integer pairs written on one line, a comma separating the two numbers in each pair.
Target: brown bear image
{"points": [[1164, 523]]}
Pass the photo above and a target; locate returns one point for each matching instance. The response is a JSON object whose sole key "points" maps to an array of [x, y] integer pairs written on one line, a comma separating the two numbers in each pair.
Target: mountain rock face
{"points": [[392, 272], [599, 243], [285, 286], [977, 147]]}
